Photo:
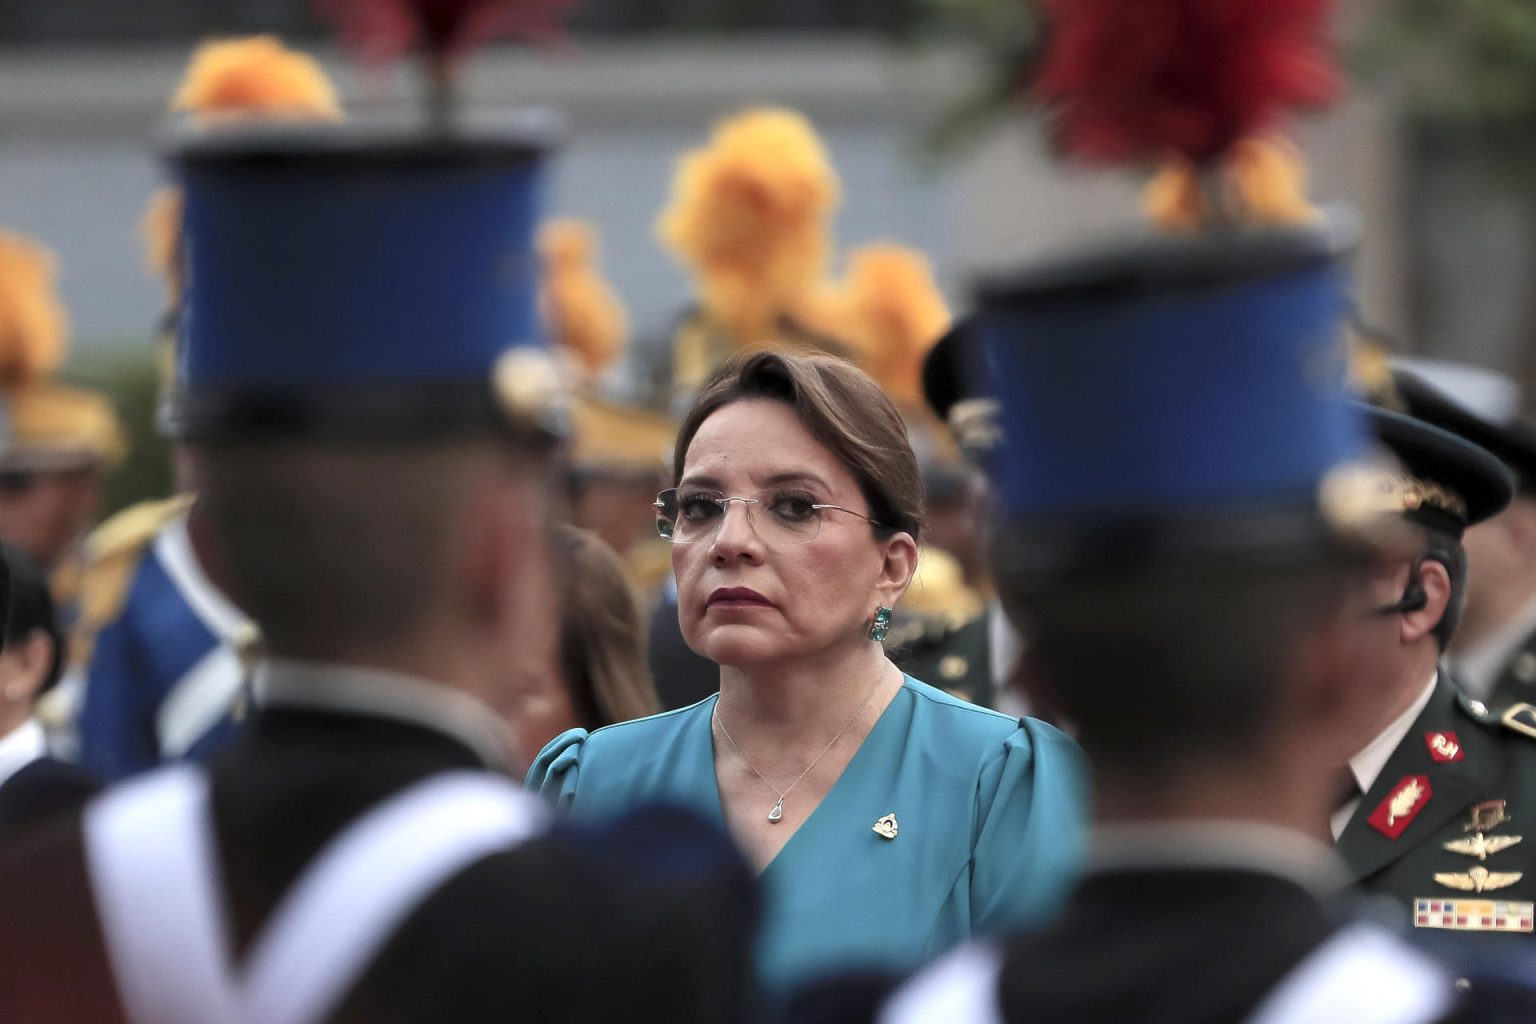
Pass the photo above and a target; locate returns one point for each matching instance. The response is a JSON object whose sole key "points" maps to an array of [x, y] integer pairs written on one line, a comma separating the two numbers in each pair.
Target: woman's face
{"points": [[753, 593]]}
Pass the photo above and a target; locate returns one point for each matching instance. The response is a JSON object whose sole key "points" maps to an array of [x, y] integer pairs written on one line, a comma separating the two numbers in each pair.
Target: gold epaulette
{"points": [[112, 554], [1520, 718]]}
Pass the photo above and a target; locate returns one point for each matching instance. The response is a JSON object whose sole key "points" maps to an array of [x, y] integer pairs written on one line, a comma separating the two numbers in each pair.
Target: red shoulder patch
{"points": [[1401, 806]]}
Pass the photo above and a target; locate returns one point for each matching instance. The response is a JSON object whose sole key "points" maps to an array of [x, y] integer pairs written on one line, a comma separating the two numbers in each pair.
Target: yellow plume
{"points": [[255, 76], [749, 219], [584, 313], [161, 229], [892, 314], [1260, 183], [33, 322], [252, 77]]}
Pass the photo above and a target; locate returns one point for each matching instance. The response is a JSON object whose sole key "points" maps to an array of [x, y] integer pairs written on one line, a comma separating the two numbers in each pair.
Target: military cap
{"points": [[1480, 405], [1163, 399], [367, 279], [1447, 483]]}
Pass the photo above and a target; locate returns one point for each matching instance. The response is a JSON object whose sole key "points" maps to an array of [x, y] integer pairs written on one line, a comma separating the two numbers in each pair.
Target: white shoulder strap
{"points": [[1363, 975], [960, 988], [148, 851], [199, 700], [353, 897], [149, 848]]}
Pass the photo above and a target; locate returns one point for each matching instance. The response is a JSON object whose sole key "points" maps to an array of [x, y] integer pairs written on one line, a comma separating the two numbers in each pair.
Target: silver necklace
{"points": [[777, 814]]}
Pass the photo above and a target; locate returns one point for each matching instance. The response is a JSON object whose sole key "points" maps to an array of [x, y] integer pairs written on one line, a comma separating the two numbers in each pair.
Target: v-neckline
{"points": [[858, 755]]}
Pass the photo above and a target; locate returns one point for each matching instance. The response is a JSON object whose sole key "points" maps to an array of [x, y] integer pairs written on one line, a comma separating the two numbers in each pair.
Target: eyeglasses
{"points": [[685, 516]]}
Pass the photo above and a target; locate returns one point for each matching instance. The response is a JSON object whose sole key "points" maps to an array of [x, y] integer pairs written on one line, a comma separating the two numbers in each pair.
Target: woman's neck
{"points": [[806, 703]]}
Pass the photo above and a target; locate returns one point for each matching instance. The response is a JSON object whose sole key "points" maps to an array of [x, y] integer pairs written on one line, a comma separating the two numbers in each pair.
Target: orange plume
{"points": [[584, 313], [255, 76], [893, 313], [33, 323], [1261, 182]]}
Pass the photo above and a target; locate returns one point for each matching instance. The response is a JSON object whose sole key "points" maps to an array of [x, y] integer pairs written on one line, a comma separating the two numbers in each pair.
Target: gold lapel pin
{"points": [[886, 827]]}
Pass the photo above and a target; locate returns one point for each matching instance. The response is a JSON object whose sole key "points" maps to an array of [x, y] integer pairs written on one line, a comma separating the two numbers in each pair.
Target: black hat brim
{"points": [[1514, 443]]}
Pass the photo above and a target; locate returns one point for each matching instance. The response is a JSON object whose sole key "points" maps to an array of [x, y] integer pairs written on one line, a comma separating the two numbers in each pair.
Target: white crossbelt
{"points": [[1363, 975], [150, 852]]}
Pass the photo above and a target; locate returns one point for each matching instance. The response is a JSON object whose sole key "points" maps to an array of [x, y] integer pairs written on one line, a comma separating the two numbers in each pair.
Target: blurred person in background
{"points": [[157, 654], [34, 785], [618, 447], [794, 526], [1493, 653], [59, 441], [376, 457], [593, 670]]}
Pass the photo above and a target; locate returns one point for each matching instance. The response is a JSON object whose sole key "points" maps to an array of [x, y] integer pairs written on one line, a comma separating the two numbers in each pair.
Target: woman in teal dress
{"points": [[889, 821]]}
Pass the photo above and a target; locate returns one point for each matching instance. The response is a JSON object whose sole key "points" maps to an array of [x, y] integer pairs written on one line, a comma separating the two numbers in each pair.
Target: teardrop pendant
{"points": [[777, 812]]}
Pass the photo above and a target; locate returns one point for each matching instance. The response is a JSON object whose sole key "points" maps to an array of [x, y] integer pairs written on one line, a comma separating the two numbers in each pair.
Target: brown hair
{"points": [[602, 635], [843, 408]]}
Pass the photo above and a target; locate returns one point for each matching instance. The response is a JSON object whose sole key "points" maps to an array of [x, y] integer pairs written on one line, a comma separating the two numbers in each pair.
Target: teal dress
{"points": [[990, 826]]}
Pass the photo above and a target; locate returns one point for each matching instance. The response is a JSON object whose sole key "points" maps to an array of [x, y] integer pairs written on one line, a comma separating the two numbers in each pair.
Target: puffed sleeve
{"points": [[555, 771], [1031, 829]]}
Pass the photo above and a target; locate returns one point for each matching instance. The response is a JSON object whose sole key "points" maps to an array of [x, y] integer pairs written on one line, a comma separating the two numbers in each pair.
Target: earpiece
{"points": [[1414, 598]]}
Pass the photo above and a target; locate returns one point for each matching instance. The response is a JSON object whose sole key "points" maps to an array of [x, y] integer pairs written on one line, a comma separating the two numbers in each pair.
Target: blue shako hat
{"points": [[1160, 400], [360, 280]]}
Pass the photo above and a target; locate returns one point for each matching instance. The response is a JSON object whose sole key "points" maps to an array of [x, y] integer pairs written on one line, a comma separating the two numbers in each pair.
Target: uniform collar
{"points": [[1478, 669], [1219, 843], [20, 747], [289, 684], [1366, 766], [1443, 756]]}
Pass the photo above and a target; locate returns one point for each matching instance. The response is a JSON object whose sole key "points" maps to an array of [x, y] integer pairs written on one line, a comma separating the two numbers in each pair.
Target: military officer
{"points": [[1493, 654], [1439, 781]]}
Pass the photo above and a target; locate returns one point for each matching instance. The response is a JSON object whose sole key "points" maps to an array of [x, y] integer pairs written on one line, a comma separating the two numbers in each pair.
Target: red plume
{"points": [[1131, 80], [442, 29]]}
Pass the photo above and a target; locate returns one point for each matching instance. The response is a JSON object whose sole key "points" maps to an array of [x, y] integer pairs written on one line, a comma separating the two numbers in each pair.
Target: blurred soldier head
{"points": [[1182, 532], [374, 452]]}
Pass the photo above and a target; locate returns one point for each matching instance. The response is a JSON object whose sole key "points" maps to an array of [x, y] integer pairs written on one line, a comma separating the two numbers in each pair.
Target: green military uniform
{"points": [[953, 656], [1448, 829]]}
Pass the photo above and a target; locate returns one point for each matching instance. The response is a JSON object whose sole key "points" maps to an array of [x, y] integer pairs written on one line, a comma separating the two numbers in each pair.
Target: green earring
{"points": [[882, 624]]}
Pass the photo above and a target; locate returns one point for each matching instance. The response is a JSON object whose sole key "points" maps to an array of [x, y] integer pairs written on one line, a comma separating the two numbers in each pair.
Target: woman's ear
{"points": [[899, 568]]}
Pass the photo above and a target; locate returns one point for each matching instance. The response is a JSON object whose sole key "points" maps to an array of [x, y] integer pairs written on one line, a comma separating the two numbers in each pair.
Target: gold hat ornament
{"points": [[51, 426]]}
